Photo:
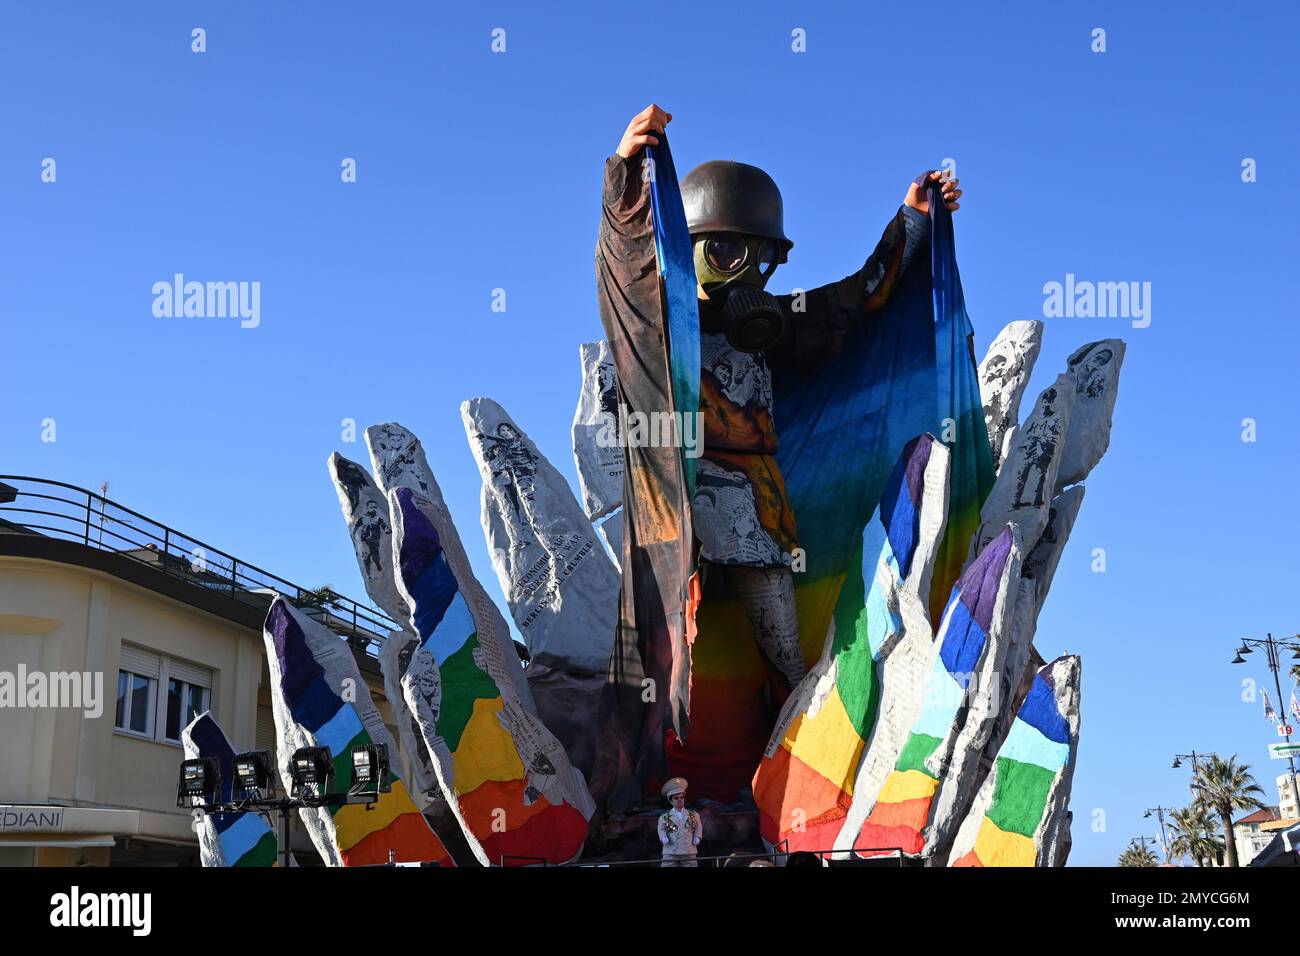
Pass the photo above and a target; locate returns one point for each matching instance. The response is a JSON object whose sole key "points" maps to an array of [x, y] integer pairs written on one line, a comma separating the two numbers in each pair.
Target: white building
{"points": [[1249, 835], [105, 595], [1286, 797]]}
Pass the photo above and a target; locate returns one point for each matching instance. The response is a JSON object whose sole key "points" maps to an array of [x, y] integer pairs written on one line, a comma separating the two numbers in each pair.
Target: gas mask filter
{"points": [[732, 269]]}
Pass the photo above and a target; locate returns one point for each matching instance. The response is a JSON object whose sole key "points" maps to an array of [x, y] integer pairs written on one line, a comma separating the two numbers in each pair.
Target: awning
{"points": [[101, 839], [1274, 825]]}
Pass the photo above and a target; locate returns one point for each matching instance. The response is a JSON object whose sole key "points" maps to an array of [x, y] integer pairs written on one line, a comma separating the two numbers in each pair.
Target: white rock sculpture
{"points": [[1022, 492], [242, 838], [1095, 369], [320, 699], [1003, 375], [506, 777], [560, 587], [906, 655], [597, 451], [365, 510], [1020, 817], [956, 762], [611, 530]]}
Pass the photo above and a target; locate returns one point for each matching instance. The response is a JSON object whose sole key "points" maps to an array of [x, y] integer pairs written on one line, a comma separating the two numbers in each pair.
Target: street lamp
{"points": [[1193, 757], [1196, 768], [1274, 648], [1160, 815]]}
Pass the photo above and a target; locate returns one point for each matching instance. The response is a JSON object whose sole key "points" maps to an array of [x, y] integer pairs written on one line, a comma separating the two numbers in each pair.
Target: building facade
{"points": [[106, 653], [1286, 797], [1250, 836]]}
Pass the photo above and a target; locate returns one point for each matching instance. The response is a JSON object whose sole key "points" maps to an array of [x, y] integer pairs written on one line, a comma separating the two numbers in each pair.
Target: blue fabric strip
{"points": [[681, 299]]}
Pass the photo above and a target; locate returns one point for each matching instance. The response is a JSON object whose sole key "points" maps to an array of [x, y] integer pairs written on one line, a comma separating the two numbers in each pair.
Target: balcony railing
{"points": [[59, 510]]}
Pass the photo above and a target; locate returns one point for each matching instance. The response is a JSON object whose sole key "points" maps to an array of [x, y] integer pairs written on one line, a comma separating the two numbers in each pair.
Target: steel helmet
{"points": [[724, 196]]}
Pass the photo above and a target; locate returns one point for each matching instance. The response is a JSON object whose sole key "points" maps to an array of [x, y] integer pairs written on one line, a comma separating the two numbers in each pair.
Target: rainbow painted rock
{"points": [[1019, 817], [320, 699], [226, 839], [508, 780], [926, 794], [807, 779], [370, 527]]}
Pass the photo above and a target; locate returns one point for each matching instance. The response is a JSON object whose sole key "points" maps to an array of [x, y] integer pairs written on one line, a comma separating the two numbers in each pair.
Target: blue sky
{"points": [[479, 171]]}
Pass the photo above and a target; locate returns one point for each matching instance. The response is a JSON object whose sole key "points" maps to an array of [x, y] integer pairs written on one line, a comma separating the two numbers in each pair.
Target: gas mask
{"points": [[732, 269]]}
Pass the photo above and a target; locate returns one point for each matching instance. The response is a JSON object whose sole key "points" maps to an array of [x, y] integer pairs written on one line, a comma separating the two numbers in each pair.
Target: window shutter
{"points": [[190, 673], [139, 661], [265, 729]]}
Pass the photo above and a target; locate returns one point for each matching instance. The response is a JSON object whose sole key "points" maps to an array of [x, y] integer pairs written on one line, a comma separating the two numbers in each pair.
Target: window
{"points": [[185, 701], [135, 703], [150, 685]]}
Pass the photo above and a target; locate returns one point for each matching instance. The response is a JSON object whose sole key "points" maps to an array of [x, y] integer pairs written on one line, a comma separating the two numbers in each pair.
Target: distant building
{"points": [[1286, 797], [92, 592], [1251, 839]]}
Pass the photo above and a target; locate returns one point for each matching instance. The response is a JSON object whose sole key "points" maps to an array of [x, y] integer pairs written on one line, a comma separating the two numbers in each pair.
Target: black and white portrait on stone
{"points": [[513, 467], [1038, 445], [373, 532], [1090, 368]]}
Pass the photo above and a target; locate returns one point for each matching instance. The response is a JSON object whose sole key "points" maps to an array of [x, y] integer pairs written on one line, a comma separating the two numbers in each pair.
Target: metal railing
{"points": [[59, 510]]}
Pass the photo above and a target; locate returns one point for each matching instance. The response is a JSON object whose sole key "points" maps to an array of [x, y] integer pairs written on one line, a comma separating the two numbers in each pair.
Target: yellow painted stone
{"points": [[827, 742], [487, 751], [908, 785], [995, 847], [354, 822]]}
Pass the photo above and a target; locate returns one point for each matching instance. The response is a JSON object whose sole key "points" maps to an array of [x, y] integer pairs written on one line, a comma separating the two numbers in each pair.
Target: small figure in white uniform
{"points": [[680, 830]]}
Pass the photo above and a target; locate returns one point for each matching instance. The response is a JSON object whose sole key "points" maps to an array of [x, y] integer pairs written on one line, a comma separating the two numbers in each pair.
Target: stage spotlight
{"points": [[370, 769], [253, 774], [198, 783], [313, 769]]}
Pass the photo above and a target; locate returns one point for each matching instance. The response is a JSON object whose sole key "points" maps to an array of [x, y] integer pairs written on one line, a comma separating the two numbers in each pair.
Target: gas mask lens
{"points": [[726, 251], [730, 252]]}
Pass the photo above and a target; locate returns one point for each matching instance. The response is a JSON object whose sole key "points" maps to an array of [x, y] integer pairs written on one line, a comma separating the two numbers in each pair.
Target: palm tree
{"points": [[1194, 836], [1222, 786], [1135, 855]]}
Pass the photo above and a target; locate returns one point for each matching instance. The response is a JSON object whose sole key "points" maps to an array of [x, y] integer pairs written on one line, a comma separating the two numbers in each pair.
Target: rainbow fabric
{"points": [[804, 784], [1015, 808], [960, 405], [843, 425], [308, 666], [654, 338], [227, 839], [903, 808], [676, 259], [513, 810]]}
